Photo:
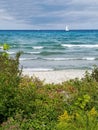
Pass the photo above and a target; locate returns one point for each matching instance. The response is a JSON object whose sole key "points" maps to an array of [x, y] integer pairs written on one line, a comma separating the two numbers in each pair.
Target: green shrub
{"points": [[9, 81], [80, 118], [28, 103]]}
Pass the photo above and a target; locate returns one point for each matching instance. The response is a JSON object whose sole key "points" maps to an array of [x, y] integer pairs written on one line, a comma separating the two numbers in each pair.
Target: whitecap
{"points": [[33, 52], [81, 45], [89, 58], [59, 59], [10, 52], [25, 59], [37, 47]]}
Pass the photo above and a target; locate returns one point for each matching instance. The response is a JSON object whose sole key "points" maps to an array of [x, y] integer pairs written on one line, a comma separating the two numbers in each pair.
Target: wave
{"points": [[37, 69], [11, 52], [81, 45], [45, 53], [37, 47], [67, 59], [59, 59], [32, 52], [25, 59], [89, 58], [1, 47]]}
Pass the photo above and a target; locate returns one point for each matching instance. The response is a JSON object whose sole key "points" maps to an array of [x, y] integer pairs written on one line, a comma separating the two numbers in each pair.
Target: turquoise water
{"points": [[53, 50]]}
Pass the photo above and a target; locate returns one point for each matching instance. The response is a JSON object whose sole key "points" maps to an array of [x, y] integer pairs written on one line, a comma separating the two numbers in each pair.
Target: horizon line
{"points": [[45, 29]]}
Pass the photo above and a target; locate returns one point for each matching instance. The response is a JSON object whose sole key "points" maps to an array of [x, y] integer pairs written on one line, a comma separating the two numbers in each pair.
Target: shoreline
{"points": [[57, 76]]}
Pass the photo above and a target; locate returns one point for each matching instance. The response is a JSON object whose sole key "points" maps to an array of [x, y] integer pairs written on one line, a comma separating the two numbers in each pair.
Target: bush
{"points": [[79, 120], [28, 103], [9, 81], [95, 73]]}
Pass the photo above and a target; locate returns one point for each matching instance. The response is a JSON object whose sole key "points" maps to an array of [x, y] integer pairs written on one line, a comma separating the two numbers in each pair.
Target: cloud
{"points": [[4, 15], [49, 14]]}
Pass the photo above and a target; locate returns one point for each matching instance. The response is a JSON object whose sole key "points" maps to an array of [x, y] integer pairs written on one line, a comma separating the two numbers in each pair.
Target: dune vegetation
{"points": [[26, 103]]}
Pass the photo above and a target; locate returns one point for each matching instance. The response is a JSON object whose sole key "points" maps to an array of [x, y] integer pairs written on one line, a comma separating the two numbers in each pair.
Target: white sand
{"points": [[55, 76]]}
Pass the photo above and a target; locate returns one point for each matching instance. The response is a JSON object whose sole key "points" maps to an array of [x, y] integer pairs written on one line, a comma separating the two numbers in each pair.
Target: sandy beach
{"points": [[55, 76]]}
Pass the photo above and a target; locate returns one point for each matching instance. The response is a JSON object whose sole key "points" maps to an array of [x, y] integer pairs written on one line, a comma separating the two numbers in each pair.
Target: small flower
{"points": [[93, 111], [64, 117]]}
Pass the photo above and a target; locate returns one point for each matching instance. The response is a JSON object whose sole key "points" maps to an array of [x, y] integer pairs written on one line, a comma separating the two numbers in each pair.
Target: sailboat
{"points": [[66, 29]]}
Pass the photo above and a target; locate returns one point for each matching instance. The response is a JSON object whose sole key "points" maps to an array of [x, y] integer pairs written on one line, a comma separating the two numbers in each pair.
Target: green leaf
{"points": [[6, 46]]}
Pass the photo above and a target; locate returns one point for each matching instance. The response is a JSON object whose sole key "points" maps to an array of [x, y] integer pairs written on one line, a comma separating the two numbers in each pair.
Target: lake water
{"points": [[53, 49]]}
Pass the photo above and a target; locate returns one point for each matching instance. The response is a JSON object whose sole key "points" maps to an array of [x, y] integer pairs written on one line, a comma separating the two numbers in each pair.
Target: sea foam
{"points": [[59, 59], [32, 52], [89, 58], [1, 47], [37, 69], [37, 47], [25, 59], [81, 45], [11, 52], [66, 59]]}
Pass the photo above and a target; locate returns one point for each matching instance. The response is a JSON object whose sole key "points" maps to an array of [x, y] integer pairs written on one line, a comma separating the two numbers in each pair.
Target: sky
{"points": [[48, 14]]}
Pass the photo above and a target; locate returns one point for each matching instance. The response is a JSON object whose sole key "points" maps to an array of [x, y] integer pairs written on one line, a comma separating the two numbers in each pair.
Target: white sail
{"points": [[67, 29]]}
